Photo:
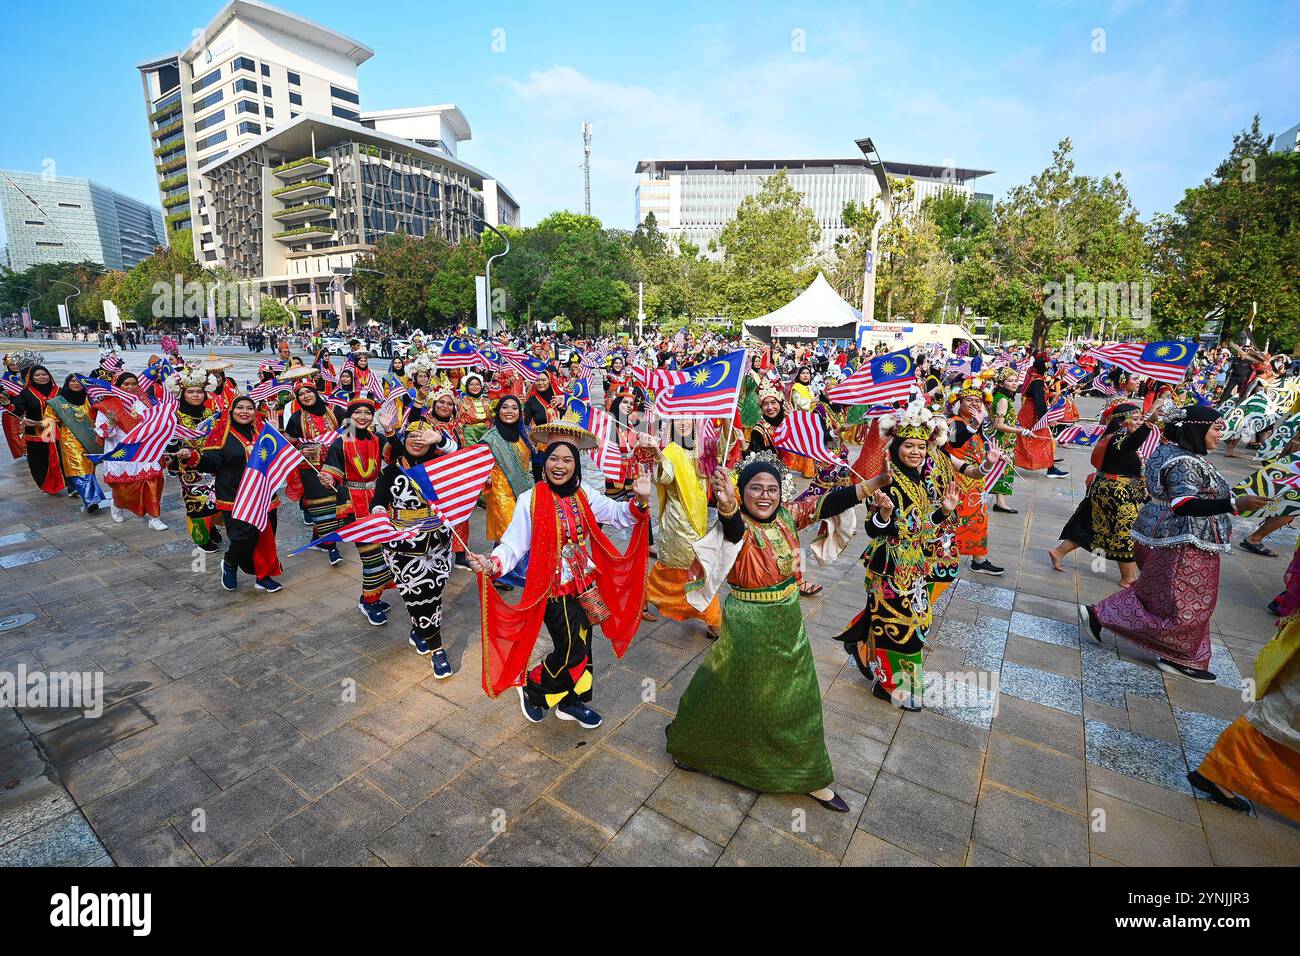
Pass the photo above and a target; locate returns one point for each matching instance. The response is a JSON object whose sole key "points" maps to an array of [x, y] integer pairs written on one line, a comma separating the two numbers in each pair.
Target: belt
{"points": [[412, 514], [359, 485], [1126, 479], [778, 592]]}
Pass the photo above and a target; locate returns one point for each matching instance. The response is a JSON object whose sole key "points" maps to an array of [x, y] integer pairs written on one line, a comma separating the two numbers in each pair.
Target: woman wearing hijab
{"points": [[475, 410], [801, 400], [1006, 432], [395, 380], [912, 557], [10, 418], [511, 477], [441, 418], [420, 567], [543, 402], [1036, 450], [198, 489], [752, 713], [576, 579], [1180, 534], [346, 390], [71, 413], [225, 458], [40, 434], [313, 421], [136, 486], [683, 520], [969, 443]]}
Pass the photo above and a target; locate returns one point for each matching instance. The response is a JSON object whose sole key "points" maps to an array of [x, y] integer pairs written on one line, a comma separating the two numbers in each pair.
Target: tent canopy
{"points": [[817, 311]]}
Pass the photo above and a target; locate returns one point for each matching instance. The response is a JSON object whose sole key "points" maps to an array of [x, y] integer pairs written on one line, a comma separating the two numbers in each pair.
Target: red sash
{"points": [[509, 633]]}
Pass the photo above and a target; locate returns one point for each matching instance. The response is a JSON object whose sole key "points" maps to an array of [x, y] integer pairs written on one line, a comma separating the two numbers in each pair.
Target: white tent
{"points": [[817, 311]]}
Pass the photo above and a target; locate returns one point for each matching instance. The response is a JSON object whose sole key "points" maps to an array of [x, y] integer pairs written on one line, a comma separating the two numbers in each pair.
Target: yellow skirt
{"points": [[665, 588], [1248, 763]]}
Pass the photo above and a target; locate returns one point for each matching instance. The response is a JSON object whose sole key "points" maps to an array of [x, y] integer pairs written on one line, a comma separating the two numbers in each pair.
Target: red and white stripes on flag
{"points": [[157, 427], [861, 388], [1055, 415], [1080, 434], [458, 479], [1128, 356], [10, 387], [1150, 444], [253, 500], [263, 391], [375, 529], [658, 379], [995, 474], [608, 455], [325, 440], [803, 434], [1103, 387], [111, 363]]}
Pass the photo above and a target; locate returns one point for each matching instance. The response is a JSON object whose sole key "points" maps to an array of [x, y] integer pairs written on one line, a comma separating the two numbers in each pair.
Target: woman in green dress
{"points": [[753, 711], [1003, 417]]}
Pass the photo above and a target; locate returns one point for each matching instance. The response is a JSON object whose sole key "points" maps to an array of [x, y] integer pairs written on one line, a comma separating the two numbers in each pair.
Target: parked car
{"points": [[338, 346]]}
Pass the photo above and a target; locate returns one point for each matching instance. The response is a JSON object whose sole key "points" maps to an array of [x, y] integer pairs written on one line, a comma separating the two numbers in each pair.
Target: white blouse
{"points": [[519, 535]]}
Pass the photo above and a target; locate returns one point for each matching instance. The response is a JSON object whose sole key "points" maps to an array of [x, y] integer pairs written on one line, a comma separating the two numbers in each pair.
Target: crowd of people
{"points": [[931, 469]]}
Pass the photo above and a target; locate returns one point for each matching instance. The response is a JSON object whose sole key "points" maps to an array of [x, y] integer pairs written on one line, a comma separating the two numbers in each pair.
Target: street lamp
{"points": [[76, 291], [877, 166], [487, 272]]}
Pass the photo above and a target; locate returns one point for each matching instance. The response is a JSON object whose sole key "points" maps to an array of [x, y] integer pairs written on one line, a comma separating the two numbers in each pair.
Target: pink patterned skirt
{"points": [[1167, 612]]}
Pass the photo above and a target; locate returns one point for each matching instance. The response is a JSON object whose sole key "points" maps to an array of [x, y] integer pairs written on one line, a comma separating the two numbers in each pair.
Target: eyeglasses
{"points": [[759, 491]]}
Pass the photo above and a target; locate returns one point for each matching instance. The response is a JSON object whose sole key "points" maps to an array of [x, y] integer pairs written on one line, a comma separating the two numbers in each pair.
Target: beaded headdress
{"points": [[770, 458], [915, 421]]}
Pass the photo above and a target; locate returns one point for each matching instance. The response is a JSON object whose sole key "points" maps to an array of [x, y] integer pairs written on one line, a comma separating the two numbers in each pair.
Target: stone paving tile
{"points": [[651, 839], [928, 824], [1030, 830], [1155, 761], [1135, 836], [546, 834], [444, 830], [1041, 687], [757, 845], [336, 828], [606, 789], [867, 850], [239, 815], [711, 807]]}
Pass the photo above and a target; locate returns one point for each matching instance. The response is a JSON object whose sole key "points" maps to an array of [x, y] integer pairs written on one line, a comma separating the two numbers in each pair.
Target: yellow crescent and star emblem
{"points": [[1166, 352], [265, 448]]}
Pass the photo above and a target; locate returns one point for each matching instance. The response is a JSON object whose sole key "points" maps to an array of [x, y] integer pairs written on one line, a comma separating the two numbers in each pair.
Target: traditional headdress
{"points": [[915, 421], [765, 461], [214, 364], [767, 390], [26, 358], [571, 432], [189, 376]]}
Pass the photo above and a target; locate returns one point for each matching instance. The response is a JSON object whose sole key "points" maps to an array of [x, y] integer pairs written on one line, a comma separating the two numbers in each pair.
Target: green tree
{"points": [[452, 294], [767, 248]]}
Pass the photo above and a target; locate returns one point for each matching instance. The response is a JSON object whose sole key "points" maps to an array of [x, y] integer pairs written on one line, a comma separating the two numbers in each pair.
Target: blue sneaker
{"points": [[383, 606], [419, 643], [269, 585], [229, 577], [334, 556], [441, 666], [373, 614], [574, 709], [532, 713]]}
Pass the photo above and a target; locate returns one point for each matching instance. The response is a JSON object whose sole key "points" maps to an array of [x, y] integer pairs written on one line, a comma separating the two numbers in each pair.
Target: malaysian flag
{"points": [[659, 379], [263, 391], [1150, 444], [451, 483], [529, 368], [711, 388], [97, 390], [591, 361], [1103, 387], [147, 441], [325, 439], [459, 353], [111, 363], [1085, 436], [1054, 416], [1074, 374], [996, 471], [886, 378], [10, 386], [803, 434], [1163, 361], [607, 455], [271, 460], [376, 529]]}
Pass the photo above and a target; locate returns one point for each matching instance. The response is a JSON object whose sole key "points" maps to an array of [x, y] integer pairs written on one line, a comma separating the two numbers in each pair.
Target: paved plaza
{"points": [[229, 736]]}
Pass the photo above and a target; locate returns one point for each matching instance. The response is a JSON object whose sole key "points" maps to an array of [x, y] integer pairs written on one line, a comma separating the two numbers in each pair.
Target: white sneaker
{"points": [[117, 514], [157, 524]]}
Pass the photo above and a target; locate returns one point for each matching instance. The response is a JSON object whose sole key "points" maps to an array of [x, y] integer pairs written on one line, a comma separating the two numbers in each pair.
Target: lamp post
{"points": [[76, 291], [877, 166], [487, 272]]}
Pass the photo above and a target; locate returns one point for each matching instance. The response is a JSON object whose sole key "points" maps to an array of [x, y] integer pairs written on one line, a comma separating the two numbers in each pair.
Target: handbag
{"points": [[593, 605]]}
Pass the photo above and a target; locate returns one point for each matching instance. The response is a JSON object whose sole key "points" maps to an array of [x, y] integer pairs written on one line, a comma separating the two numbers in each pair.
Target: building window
{"points": [[243, 63], [250, 127], [270, 114], [210, 120], [70, 205], [247, 106], [294, 79], [207, 101], [244, 84], [266, 89], [347, 114], [345, 95], [207, 81], [266, 70], [33, 222], [213, 158], [57, 245], [293, 115], [210, 141], [295, 98]]}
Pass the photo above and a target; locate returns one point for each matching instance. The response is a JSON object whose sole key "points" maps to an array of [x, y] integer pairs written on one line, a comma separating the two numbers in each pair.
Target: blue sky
{"points": [[990, 86]]}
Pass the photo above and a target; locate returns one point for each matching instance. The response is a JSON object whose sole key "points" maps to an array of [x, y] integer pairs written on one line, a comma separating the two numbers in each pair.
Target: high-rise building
{"points": [[259, 90], [694, 199], [1287, 141], [61, 219]]}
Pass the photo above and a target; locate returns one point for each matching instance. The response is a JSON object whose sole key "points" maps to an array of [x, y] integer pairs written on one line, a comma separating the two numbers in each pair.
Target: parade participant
{"points": [[225, 457], [223, 390], [475, 411], [40, 435], [351, 469], [614, 378], [506, 381], [752, 712], [801, 400], [10, 419], [1257, 758], [683, 520], [396, 380], [363, 371], [1006, 433], [1036, 450], [136, 486], [576, 580], [346, 389], [313, 420], [627, 416], [198, 489], [908, 561], [420, 567], [544, 402], [442, 419], [772, 411], [71, 413], [1180, 533], [973, 453], [510, 478]]}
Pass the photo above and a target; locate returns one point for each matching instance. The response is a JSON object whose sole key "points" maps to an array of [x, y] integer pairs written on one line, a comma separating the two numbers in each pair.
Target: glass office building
{"points": [[61, 219]]}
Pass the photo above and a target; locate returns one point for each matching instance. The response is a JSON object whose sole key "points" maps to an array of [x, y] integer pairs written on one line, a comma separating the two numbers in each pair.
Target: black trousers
{"points": [[567, 670], [243, 541]]}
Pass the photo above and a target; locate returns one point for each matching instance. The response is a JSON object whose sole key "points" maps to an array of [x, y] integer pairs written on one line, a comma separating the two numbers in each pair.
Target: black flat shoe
{"points": [[836, 803], [1005, 511], [1207, 787], [1088, 617], [1191, 673], [881, 694]]}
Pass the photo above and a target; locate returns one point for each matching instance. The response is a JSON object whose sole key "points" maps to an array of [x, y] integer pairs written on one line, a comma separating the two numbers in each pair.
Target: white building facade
{"points": [[694, 199]]}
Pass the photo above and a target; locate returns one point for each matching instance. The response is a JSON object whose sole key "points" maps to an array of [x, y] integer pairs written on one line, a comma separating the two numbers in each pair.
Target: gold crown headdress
{"points": [[771, 458], [915, 421], [189, 376]]}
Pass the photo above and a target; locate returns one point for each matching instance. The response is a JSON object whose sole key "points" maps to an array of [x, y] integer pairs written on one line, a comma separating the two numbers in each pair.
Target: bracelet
{"points": [[727, 514]]}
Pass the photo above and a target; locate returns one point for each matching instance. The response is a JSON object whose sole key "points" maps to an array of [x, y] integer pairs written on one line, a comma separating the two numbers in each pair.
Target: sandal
{"points": [[1259, 549], [808, 588]]}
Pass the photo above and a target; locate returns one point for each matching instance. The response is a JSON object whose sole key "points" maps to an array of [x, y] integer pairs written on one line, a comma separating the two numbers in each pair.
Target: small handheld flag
{"points": [[886, 378], [804, 434], [711, 388], [270, 461], [453, 482]]}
